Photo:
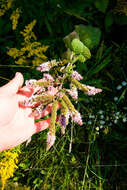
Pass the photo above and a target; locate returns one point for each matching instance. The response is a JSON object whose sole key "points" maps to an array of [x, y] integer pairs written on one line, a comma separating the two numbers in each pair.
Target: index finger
{"points": [[45, 112], [25, 91]]}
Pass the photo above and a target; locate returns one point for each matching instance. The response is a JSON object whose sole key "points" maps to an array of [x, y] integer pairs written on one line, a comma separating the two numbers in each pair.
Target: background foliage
{"points": [[92, 156]]}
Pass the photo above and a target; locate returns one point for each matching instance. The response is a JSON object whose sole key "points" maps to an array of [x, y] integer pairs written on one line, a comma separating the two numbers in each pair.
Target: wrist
{"points": [[3, 139]]}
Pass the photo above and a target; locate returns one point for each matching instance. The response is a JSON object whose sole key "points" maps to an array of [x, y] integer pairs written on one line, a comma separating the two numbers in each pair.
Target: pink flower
{"points": [[76, 75], [51, 90], [30, 83], [63, 129], [29, 101], [63, 119], [48, 77], [73, 93], [59, 94], [44, 67], [92, 90], [76, 117], [67, 115], [50, 141], [39, 109]]}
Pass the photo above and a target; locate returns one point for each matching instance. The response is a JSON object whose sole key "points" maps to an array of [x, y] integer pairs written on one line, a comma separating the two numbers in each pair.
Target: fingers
{"points": [[28, 112], [25, 91], [46, 111], [21, 99], [42, 125], [13, 86]]}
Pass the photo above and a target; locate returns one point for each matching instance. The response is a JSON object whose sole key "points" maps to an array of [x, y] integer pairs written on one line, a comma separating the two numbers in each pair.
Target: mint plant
{"points": [[51, 89]]}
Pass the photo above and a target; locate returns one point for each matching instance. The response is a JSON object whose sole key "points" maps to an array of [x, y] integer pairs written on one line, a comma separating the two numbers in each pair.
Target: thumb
{"points": [[14, 85]]}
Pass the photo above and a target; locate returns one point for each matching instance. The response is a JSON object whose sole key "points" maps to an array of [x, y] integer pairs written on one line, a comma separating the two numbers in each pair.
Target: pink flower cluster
{"points": [[76, 117], [50, 141], [73, 91], [30, 83], [77, 76], [92, 90], [44, 67], [48, 77], [63, 119]]}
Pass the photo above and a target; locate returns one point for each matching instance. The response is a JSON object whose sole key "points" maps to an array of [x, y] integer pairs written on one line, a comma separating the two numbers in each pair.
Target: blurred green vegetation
{"points": [[92, 156]]}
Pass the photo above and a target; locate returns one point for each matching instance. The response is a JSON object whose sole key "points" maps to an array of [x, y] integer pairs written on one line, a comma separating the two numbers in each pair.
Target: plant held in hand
{"points": [[51, 89]]}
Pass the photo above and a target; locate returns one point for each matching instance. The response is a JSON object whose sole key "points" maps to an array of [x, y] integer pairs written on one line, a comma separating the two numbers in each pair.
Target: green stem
{"points": [[4, 78], [76, 59], [16, 66]]}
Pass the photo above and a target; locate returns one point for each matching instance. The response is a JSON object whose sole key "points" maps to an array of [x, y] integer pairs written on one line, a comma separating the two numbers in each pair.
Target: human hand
{"points": [[16, 122]]}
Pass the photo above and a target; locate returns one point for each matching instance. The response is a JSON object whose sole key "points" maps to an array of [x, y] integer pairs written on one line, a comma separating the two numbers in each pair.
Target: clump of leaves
{"points": [[88, 35]]}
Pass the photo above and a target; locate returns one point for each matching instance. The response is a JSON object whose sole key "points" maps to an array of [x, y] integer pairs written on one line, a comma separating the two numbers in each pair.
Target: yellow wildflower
{"points": [[14, 18], [22, 60], [14, 52], [37, 61], [27, 33], [8, 161], [9, 3], [5, 5], [121, 7], [30, 52]]}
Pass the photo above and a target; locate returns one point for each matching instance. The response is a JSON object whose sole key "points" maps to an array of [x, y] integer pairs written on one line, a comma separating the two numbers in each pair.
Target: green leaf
{"points": [[122, 95], [89, 35], [43, 172], [68, 39], [105, 55], [48, 26], [99, 67], [24, 165], [121, 19], [108, 20], [77, 46], [101, 5], [81, 58], [80, 49]]}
